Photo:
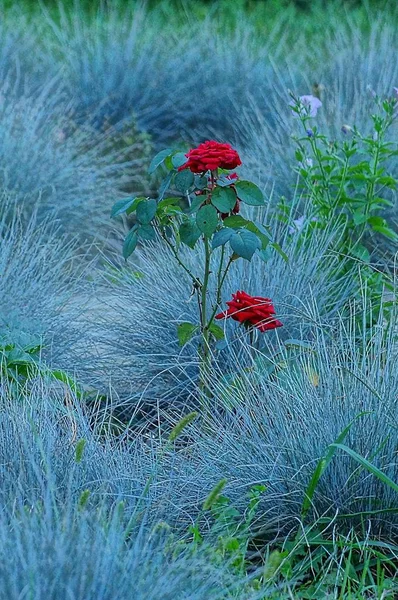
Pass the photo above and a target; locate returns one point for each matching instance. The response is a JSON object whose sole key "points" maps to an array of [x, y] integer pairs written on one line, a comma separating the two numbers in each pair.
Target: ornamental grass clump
{"points": [[314, 422], [198, 202]]}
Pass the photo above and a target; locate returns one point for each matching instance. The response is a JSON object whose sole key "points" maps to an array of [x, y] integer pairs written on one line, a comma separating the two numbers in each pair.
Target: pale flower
{"points": [[310, 104]]}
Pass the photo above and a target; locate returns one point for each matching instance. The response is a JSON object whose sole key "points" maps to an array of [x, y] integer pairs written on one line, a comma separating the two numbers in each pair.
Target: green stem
{"points": [[197, 283], [221, 280], [205, 325], [315, 152]]}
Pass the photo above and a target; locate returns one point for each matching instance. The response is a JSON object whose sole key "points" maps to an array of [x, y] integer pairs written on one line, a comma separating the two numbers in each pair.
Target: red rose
{"points": [[251, 310], [210, 156]]}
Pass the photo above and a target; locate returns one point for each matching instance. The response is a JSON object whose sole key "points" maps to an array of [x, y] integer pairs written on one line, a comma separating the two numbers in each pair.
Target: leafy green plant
{"points": [[203, 205], [230, 533], [346, 183], [20, 362]]}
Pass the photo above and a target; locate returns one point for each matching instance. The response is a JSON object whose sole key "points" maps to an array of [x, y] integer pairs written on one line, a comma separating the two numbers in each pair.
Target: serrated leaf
{"points": [[185, 331], [245, 243], [146, 210], [130, 243], [221, 237], [217, 331], [183, 180], [249, 193], [178, 159], [223, 181], [235, 222], [200, 182], [146, 232], [207, 219], [164, 186], [224, 199], [121, 206], [158, 160], [196, 203], [189, 233]]}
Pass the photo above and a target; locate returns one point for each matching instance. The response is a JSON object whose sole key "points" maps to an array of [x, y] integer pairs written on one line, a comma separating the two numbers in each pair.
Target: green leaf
{"points": [[185, 332], [367, 465], [359, 217], [261, 232], [121, 206], [184, 180], [178, 159], [235, 222], [224, 199], [386, 231], [322, 465], [299, 344], [159, 159], [361, 252], [146, 210], [164, 186], [221, 237], [249, 193], [244, 243], [279, 250], [18, 356], [265, 254], [189, 233], [200, 182], [196, 203], [217, 331], [130, 243], [168, 202], [207, 219], [223, 181], [146, 232], [377, 221], [168, 163], [67, 380]]}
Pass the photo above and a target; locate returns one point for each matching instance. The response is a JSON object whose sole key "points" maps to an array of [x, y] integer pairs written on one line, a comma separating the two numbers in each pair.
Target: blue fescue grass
{"points": [[272, 426], [140, 307], [69, 173], [83, 526], [171, 81], [21, 61], [75, 522], [40, 279]]}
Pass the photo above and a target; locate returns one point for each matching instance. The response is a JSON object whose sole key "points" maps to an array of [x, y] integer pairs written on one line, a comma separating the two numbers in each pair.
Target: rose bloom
{"points": [[251, 310], [210, 156]]}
